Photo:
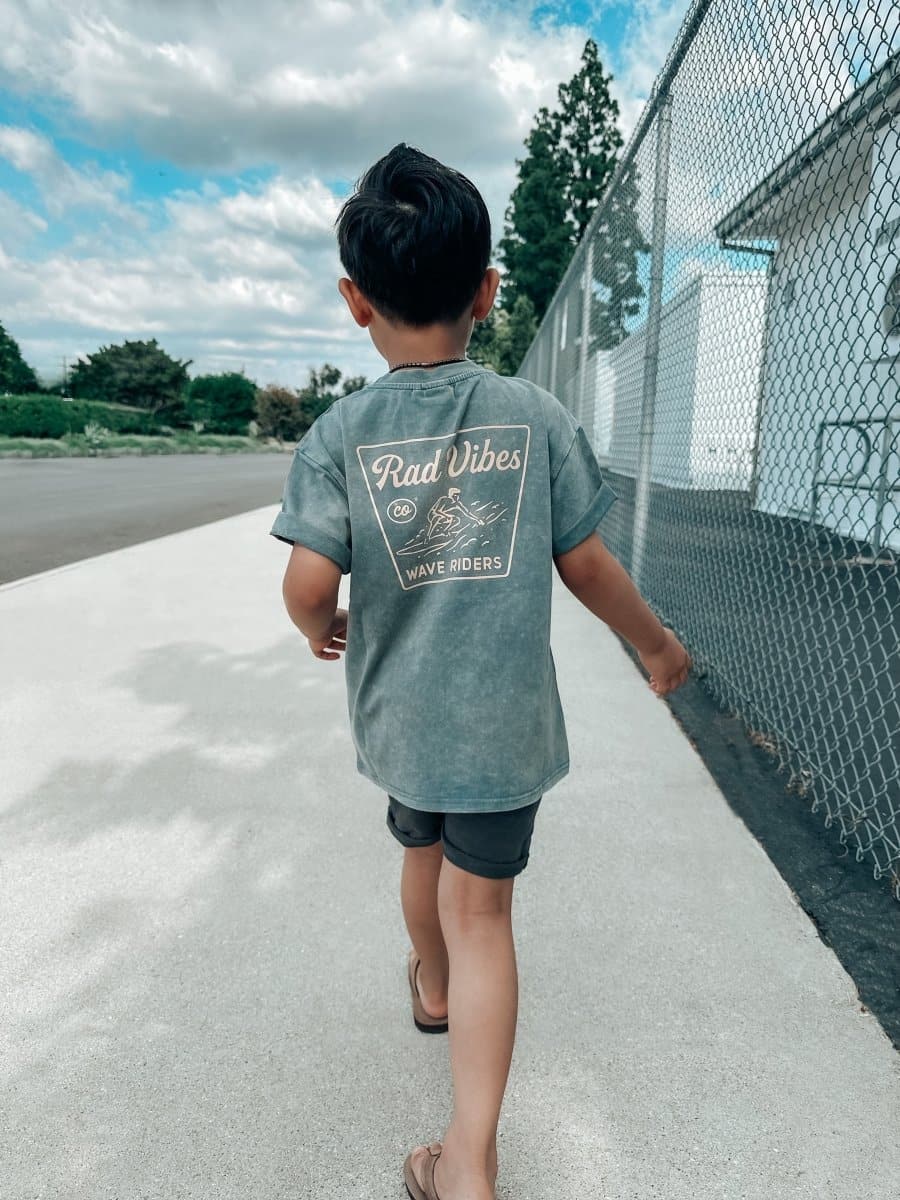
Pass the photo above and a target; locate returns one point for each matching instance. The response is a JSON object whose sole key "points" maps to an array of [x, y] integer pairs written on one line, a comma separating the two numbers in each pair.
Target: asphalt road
{"points": [[59, 510]]}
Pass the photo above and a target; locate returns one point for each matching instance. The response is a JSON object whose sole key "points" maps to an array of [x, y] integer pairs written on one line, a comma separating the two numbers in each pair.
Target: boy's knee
{"points": [[463, 895]]}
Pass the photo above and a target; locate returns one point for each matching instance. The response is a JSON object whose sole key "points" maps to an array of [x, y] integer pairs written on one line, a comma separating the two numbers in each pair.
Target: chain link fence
{"points": [[728, 334]]}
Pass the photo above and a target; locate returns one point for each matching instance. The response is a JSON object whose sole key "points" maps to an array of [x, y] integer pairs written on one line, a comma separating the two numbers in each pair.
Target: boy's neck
{"points": [[426, 347]]}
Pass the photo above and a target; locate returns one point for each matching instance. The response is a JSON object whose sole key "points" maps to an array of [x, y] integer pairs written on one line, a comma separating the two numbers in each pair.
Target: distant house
{"points": [[829, 446]]}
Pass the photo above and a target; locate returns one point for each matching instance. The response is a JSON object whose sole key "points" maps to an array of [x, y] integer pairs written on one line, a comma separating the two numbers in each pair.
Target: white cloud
{"points": [[315, 92], [61, 185], [236, 280], [309, 86], [18, 223]]}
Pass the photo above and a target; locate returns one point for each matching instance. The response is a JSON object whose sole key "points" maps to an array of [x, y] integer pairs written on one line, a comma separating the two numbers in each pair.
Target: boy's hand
{"points": [[336, 638], [667, 666]]}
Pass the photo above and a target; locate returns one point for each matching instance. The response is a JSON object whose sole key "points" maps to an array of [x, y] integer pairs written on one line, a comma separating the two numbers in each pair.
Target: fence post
{"points": [[651, 353], [882, 485], [554, 348], [585, 333]]}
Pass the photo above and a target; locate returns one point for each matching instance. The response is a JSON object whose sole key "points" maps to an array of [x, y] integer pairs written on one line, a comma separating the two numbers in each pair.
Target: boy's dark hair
{"points": [[415, 238]]}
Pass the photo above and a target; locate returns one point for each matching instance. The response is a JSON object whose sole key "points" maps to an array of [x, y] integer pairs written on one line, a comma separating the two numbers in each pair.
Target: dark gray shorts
{"points": [[493, 844]]}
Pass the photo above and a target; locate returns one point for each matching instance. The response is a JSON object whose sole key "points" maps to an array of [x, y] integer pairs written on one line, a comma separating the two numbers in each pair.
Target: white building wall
{"points": [[706, 390], [826, 355], [727, 384]]}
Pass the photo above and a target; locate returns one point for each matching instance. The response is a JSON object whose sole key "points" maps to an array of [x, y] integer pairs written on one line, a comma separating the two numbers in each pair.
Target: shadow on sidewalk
{"points": [[188, 1022]]}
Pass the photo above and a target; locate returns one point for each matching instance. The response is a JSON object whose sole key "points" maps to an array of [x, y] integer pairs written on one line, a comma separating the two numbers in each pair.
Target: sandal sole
{"points": [[429, 1026]]}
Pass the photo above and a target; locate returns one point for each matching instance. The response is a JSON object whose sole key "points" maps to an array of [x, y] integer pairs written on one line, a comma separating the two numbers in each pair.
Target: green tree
{"points": [[618, 241], [320, 392], [286, 414], [482, 347], [501, 340], [224, 403], [589, 144], [16, 376], [516, 333], [136, 373], [572, 154], [278, 413], [589, 138], [538, 239]]}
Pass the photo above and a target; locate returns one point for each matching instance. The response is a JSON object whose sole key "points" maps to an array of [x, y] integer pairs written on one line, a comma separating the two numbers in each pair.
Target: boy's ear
{"points": [[484, 297], [360, 309]]}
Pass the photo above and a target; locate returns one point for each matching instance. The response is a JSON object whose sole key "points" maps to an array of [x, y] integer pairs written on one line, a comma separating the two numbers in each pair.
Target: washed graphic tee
{"points": [[445, 493]]}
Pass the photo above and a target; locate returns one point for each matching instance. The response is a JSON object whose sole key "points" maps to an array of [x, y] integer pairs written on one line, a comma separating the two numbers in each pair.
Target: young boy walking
{"points": [[448, 492]]}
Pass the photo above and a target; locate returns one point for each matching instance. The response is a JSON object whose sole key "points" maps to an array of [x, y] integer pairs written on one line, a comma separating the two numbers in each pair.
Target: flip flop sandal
{"points": [[426, 1023], [416, 1192]]}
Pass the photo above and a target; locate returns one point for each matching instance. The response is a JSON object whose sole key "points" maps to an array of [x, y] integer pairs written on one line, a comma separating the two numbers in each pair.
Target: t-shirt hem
{"points": [[454, 804]]}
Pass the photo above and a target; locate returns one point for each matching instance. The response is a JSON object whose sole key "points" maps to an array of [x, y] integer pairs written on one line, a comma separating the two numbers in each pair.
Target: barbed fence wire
{"points": [[728, 334]]}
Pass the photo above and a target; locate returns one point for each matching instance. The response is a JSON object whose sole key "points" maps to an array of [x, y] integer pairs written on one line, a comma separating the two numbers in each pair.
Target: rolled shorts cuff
{"points": [[410, 839], [434, 830], [477, 866]]}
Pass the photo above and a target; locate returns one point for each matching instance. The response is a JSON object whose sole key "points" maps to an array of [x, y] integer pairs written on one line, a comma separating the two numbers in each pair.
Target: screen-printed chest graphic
{"points": [[448, 506]]}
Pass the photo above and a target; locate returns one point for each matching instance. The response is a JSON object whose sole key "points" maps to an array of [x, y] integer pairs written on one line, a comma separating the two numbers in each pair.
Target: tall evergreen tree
{"points": [[589, 137], [482, 343], [572, 156], [618, 240], [589, 144], [518, 333], [538, 240], [16, 376]]}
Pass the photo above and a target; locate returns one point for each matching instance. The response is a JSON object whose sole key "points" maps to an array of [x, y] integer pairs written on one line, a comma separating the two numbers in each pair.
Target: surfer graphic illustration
{"points": [[443, 514], [448, 518]]}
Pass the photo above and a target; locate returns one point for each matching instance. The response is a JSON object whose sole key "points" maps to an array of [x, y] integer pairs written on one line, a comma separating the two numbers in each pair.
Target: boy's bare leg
{"points": [[419, 898], [476, 918]]}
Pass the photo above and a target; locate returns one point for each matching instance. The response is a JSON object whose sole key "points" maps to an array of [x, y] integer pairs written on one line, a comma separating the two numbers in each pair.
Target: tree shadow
{"points": [[209, 994]]}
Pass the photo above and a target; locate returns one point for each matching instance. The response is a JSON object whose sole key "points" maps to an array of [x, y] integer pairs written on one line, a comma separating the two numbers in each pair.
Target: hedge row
{"points": [[51, 417]]}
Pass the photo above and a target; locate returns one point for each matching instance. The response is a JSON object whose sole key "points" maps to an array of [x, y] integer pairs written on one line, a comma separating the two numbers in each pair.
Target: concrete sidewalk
{"points": [[204, 957]]}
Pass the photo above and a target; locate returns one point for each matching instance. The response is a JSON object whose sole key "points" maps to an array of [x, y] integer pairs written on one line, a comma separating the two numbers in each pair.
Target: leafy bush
{"points": [[77, 445], [223, 403], [50, 417], [137, 373], [96, 435], [278, 413]]}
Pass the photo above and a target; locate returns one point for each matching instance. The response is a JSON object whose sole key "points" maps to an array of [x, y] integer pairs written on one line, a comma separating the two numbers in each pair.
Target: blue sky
{"points": [[166, 174]]}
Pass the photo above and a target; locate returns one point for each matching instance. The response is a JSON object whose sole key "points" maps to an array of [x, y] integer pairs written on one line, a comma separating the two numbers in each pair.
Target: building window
{"points": [[565, 320], [890, 312]]}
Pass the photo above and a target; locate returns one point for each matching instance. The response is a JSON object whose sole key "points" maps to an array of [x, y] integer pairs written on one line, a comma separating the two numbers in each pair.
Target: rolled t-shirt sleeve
{"points": [[314, 508], [579, 495]]}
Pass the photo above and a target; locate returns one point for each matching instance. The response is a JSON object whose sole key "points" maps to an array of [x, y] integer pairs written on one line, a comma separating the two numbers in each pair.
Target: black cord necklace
{"points": [[439, 363]]}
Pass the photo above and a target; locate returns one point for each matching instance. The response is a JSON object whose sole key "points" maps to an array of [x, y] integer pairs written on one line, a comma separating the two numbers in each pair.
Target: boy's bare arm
{"points": [[310, 591], [601, 583]]}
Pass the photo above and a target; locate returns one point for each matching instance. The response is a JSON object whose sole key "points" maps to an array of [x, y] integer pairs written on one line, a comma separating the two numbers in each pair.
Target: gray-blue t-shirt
{"points": [[449, 489]]}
